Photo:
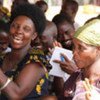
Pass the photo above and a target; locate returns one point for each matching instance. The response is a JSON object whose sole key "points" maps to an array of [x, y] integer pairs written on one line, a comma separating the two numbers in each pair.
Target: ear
{"points": [[34, 36]]}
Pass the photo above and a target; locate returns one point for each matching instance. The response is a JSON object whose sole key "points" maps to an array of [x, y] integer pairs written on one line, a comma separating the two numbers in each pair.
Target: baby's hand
{"points": [[91, 92], [88, 88]]}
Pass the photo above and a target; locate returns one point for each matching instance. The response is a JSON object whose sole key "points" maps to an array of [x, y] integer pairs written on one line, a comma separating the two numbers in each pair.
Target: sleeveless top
{"points": [[34, 55]]}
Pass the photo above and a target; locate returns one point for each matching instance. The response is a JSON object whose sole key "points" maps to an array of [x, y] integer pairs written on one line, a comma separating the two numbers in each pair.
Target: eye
{"points": [[26, 29], [81, 48], [14, 25], [67, 32]]}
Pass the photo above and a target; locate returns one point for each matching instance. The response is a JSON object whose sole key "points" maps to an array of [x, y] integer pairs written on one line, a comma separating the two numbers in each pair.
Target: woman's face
{"points": [[22, 31], [84, 55]]}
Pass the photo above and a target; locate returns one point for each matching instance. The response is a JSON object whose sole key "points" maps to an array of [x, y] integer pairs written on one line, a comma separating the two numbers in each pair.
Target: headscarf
{"points": [[89, 33]]}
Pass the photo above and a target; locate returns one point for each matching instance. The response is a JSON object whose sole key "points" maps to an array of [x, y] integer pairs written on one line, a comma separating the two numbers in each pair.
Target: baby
{"points": [[86, 91], [89, 89]]}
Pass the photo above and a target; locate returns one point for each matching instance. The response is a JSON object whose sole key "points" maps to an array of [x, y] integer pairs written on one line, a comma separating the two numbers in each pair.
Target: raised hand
{"points": [[55, 44], [67, 65]]}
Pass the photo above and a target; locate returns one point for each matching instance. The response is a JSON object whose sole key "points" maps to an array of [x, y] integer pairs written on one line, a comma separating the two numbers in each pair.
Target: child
{"points": [[4, 40]]}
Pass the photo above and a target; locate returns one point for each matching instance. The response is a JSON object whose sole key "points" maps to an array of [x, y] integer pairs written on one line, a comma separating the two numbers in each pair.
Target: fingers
{"points": [[67, 69], [56, 43], [88, 88], [87, 85], [69, 63], [88, 96], [51, 50], [59, 62], [65, 57]]}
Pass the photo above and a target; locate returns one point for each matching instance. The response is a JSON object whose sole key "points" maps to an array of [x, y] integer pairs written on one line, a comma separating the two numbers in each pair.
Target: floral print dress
{"points": [[34, 55]]}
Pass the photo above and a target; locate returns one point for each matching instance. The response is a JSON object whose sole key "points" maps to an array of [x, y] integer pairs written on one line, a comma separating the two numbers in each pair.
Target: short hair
{"points": [[33, 12], [40, 4], [59, 18], [72, 3]]}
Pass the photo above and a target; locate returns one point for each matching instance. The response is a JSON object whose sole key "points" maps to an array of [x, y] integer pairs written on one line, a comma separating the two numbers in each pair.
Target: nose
{"points": [[19, 30]]}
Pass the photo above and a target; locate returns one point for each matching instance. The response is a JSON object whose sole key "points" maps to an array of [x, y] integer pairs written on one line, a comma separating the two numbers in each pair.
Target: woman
{"points": [[86, 54], [24, 64]]}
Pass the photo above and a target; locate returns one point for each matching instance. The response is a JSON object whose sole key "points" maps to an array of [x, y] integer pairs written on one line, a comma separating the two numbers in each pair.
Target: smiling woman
{"points": [[25, 31], [26, 66]]}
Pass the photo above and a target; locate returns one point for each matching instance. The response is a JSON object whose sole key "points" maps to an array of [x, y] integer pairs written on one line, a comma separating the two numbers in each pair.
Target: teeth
{"points": [[17, 39]]}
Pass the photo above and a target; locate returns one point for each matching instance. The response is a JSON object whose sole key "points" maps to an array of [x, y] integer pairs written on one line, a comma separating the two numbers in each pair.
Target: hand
{"points": [[88, 88], [55, 44], [67, 65]]}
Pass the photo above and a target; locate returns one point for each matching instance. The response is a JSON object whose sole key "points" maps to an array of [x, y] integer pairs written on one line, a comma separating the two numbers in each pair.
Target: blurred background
{"points": [[87, 8]]}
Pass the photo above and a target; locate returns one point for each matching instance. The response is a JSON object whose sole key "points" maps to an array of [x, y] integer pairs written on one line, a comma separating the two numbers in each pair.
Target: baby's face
{"points": [[4, 41]]}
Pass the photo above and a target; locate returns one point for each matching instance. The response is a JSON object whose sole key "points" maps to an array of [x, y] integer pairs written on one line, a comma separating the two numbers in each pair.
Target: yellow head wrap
{"points": [[89, 33]]}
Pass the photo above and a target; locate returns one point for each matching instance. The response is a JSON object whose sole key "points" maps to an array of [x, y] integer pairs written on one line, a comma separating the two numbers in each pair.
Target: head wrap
{"points": [[89, 33]]}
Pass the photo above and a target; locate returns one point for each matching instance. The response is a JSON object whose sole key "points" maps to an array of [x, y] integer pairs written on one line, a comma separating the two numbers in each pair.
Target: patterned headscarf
{"points": [[89, 33]]}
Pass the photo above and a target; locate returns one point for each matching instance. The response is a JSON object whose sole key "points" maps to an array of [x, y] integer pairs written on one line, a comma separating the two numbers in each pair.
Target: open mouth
{"points": [[17, 39]]}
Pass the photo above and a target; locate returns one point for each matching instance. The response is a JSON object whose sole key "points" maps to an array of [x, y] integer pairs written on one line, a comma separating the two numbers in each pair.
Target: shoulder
{"points": [[35, 59], [34, 68], [36, 55]]}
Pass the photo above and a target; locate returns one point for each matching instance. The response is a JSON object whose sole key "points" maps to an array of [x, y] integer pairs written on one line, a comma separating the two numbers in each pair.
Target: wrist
{"points": [[5, 84]]}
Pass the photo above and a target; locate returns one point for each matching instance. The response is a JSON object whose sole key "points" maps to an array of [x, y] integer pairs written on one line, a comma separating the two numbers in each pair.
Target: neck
{"points": [[88, 70], [20, 53]]}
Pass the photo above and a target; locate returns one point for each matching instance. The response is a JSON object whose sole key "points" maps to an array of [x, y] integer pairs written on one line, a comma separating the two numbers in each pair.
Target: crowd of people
{"points": [[27, 41]]}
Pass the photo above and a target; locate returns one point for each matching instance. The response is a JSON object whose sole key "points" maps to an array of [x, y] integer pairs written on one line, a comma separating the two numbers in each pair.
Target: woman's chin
{"points": [[80, 66]]}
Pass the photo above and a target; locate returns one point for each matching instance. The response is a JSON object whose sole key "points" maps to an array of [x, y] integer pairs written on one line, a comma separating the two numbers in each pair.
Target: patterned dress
{"points": [[34, 55]]}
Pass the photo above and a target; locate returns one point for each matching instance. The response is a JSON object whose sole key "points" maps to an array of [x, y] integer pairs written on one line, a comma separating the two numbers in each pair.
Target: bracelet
{"points": [[8, 81]]}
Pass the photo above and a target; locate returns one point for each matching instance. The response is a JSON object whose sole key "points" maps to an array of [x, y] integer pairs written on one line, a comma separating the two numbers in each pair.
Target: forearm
{"points": [[12, 90], [3, 78], [24, 83]]}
